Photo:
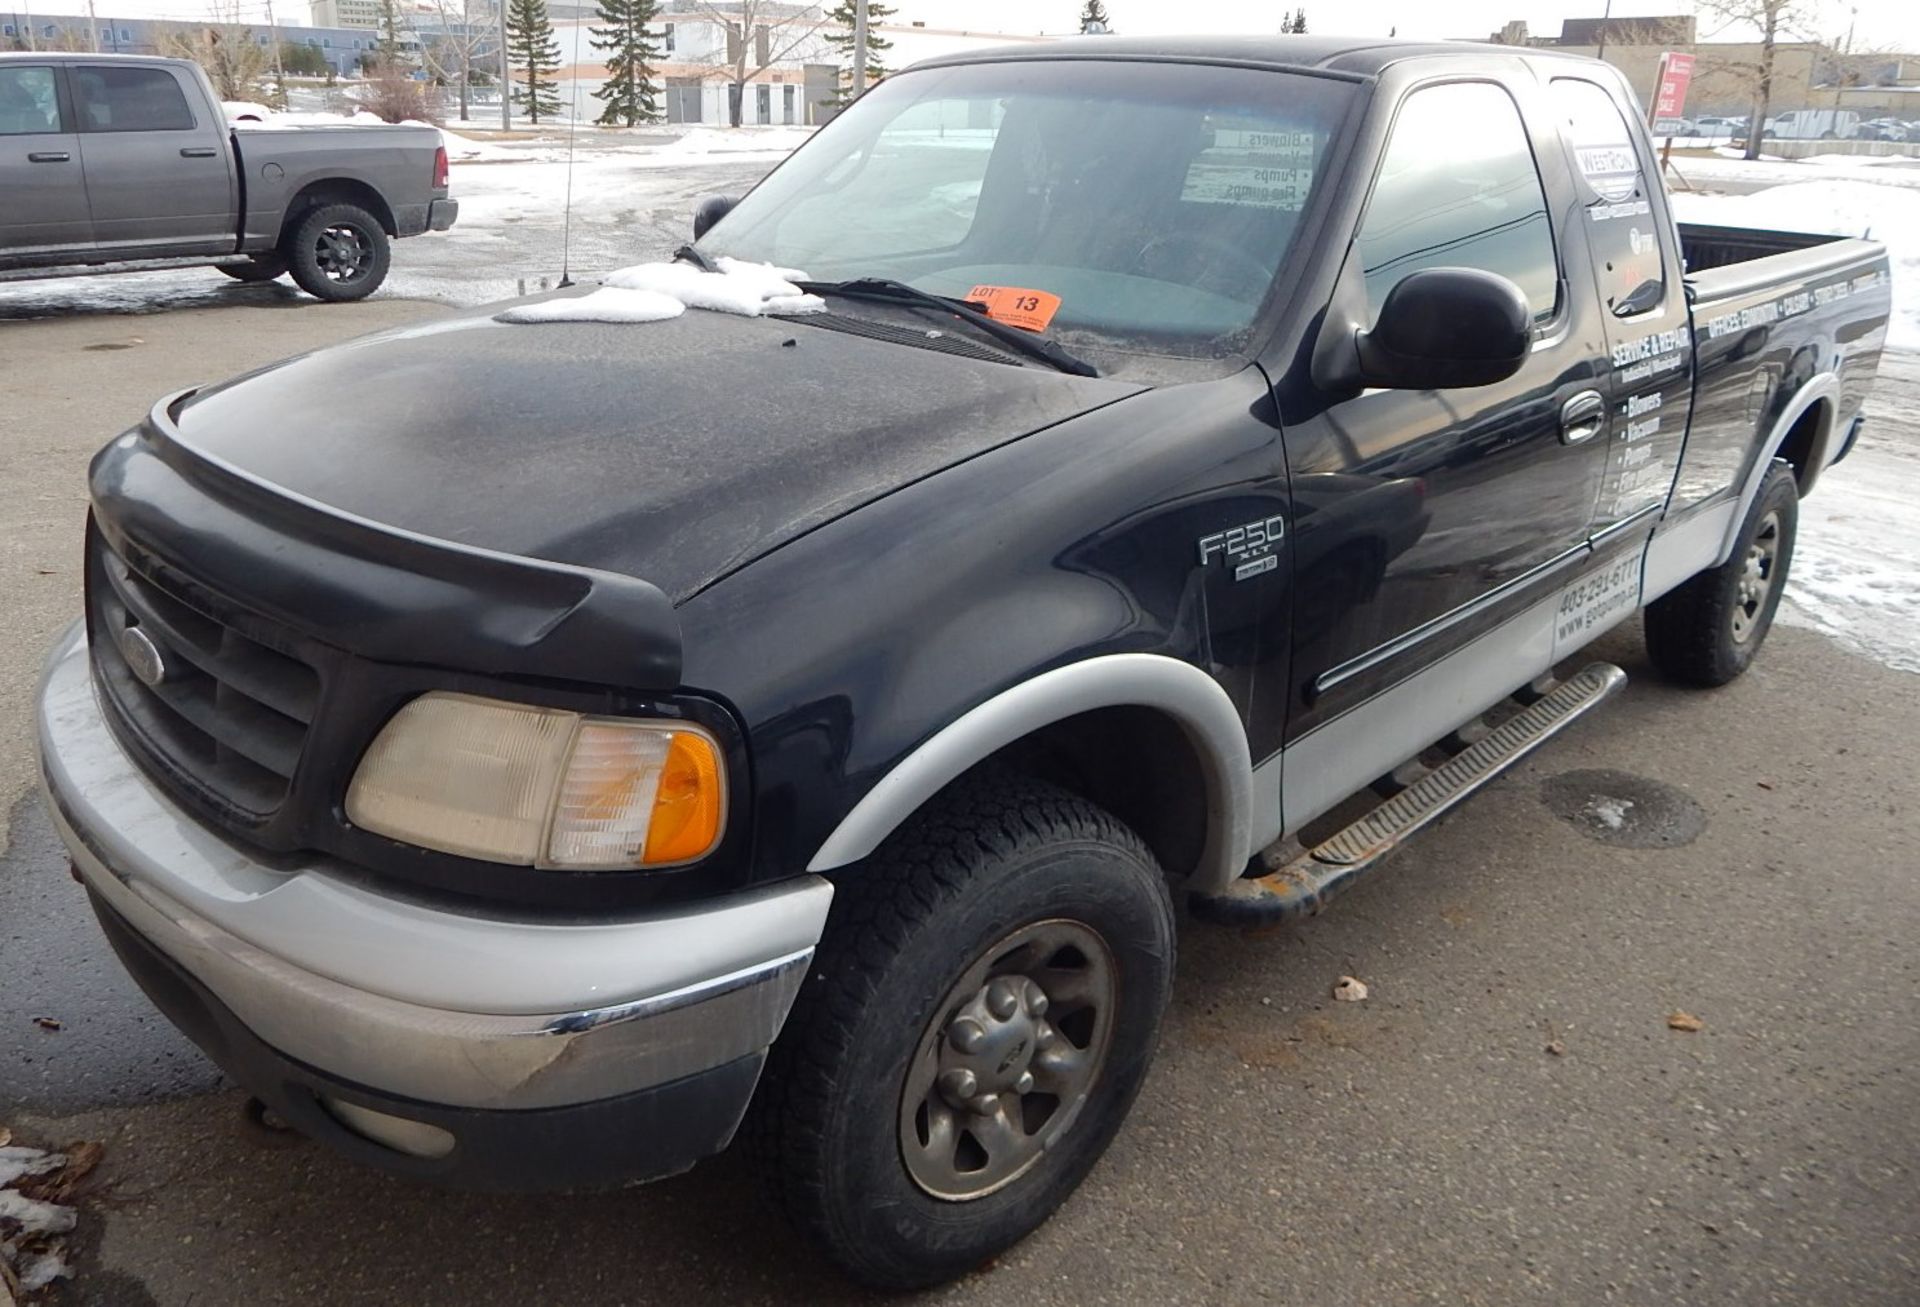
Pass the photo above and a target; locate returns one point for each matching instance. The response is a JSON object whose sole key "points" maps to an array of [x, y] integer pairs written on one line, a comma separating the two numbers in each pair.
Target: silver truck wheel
{"points": [[1006, 1063]]}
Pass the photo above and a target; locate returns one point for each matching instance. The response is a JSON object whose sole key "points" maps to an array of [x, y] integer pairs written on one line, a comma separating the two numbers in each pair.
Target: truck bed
{"points": [[1707, 246]]}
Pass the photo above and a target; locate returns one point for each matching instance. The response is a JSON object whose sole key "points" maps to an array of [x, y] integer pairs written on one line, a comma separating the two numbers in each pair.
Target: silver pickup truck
{"points": [[119, 163]]}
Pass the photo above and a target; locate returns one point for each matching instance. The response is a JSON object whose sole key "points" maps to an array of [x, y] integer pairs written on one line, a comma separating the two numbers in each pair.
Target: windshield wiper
{"points": [[699, 258], [1029, 343]]}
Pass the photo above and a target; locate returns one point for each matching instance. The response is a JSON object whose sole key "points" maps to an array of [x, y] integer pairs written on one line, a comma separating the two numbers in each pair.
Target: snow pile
{"points": [[608, 304], [654, 292], [735, 140], [1836, 208], [464, 149]]}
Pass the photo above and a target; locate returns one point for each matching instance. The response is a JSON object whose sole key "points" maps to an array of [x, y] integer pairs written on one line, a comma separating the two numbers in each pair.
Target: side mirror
{"points": [[712, 210], [1442, 328]]}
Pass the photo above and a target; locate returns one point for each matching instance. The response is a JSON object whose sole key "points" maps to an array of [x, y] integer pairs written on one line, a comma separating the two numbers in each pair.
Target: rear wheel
{"points": [[1707, 631], [980, 1016], [259, 267], [338, 252]]}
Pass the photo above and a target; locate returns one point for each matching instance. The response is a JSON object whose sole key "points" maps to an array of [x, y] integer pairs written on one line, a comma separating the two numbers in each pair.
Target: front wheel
{"points": [[1707, 631], [338, 252], [980, 1016]]}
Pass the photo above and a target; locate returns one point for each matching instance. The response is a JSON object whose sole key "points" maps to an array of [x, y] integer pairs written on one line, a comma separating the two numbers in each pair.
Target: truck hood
{"points": [[674, 452]]}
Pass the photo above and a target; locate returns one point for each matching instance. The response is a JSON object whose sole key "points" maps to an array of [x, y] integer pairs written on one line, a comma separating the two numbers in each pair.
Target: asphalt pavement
{"points": [[1507, 1118]]}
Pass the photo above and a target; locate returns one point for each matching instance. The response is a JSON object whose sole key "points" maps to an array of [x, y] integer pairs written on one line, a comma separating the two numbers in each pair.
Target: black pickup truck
{"points": [[527, 754]]}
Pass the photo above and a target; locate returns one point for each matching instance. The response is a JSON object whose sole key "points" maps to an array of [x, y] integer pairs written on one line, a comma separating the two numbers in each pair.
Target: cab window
{"points": [[129, 100], [1621, 228], [28, 104], [1458, 188]]}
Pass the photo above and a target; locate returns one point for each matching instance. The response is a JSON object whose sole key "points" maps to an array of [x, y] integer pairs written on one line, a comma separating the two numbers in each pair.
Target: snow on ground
{"points": [[1856, 563], [1840, 208], [1705, 171]]}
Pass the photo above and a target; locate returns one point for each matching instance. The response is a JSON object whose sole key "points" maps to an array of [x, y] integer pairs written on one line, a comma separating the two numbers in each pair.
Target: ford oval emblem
{"points": [[143, 656]]}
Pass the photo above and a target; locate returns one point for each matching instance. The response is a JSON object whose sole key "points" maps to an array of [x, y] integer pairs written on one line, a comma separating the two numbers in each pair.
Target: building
{"points": [[791, 72], [1806, 74], [346, 13]]}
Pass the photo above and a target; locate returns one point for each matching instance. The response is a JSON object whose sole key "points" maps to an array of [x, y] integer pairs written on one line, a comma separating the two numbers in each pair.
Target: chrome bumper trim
{"points": [[169, 879]]}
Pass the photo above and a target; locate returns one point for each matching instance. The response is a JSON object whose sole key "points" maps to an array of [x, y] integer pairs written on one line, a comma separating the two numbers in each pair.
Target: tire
{"points": [[338, 252], [868, 1068], [1707, 631], [261, 267]]}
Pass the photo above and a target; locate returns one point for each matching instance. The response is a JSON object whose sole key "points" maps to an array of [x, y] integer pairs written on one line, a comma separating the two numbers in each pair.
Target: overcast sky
{"points": [[1891, 23], [1885, 24]]}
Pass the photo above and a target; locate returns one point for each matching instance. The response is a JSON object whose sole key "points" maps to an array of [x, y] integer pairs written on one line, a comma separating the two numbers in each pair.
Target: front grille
{"points": [[228, 713]]}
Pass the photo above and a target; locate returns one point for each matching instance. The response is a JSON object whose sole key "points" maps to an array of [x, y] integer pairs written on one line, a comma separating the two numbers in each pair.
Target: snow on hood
{"points": [[655, 292]]}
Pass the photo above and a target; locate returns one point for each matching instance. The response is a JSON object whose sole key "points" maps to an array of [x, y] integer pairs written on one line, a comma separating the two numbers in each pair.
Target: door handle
{"points": [[50, 156], [198, 152], [1582, 417]]}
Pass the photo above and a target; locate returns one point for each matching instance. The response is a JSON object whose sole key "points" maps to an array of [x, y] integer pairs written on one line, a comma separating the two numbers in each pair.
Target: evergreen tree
{"points": [[389, 43], [532, 49], [1299, 25], [630, 93], [1093, 17], [840, 37]]}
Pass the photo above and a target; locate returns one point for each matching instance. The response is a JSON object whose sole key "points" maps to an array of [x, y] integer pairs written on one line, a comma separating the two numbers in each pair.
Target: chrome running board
{"points": [[1296, 883]]}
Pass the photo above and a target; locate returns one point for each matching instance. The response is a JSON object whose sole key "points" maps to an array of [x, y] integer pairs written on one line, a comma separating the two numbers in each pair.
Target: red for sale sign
{"points": [[1670, 92]]}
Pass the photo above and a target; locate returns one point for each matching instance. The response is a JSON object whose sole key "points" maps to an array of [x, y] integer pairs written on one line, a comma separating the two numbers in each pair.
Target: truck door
{"points": [[1636, 273], [43, 197], [1427, 518], [159, 178]]}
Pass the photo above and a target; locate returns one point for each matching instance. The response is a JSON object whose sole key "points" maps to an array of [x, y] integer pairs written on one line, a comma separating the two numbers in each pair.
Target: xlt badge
{"points": [[1248, 548]]}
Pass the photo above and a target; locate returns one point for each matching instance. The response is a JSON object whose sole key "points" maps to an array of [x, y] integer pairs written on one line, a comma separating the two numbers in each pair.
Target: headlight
{"points": [[541, 787]]}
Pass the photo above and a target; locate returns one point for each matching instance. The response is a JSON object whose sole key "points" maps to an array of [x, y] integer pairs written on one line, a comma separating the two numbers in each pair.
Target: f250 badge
{"points": [[1248, 549]]}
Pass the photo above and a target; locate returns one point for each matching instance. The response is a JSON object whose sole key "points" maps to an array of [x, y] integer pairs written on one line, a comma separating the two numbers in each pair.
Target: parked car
{"points": [[522, 753], [1883, 129], [1813, 125], [1719, 129], [125, 163]]}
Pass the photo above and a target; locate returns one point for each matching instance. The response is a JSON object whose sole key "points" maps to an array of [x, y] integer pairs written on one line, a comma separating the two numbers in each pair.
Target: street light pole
{"points": [[506, 75]]}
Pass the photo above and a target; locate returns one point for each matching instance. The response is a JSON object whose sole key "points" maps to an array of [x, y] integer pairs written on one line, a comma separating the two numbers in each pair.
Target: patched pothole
{"points": [[1624, 810]]}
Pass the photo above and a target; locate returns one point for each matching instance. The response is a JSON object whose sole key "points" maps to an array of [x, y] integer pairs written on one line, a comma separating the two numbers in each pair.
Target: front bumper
{"points": [[310, 987]]}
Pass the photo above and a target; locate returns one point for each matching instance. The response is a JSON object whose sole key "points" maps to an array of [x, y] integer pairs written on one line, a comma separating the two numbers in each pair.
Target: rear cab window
{"points": [[1458, 187], [1622, 226], [29, 101], [114, 99]]}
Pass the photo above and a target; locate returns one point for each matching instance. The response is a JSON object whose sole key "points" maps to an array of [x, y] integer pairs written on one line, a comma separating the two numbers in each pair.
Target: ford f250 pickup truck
{"points": [[120, 163], [525, 753]]}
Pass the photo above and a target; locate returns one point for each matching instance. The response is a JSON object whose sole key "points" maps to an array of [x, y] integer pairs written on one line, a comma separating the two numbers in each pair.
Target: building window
{"points": [[327, 42], [7, 30], [106, 34], [126, 34], [763, 103], [666, 46]]}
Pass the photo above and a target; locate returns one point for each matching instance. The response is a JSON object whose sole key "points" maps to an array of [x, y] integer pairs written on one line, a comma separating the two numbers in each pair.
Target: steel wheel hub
{"points": [[1002, 1070], [1756, 577]]}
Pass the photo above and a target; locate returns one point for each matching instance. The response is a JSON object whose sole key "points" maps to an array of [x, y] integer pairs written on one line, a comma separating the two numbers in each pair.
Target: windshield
{"points": [[1155, 200]]}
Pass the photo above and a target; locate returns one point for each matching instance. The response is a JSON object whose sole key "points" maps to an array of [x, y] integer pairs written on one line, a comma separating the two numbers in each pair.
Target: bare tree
{"points": [[465, 34], [1773, 19], [759, 34], [230, 52]]}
